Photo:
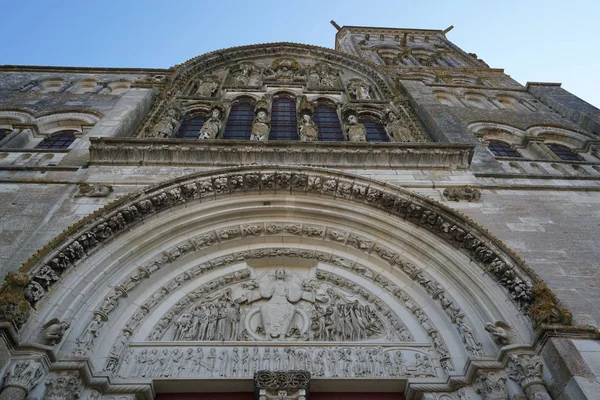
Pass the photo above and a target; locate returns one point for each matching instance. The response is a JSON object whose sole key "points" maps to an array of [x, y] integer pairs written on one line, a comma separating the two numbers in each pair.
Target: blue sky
{"points": [[533, 40]]}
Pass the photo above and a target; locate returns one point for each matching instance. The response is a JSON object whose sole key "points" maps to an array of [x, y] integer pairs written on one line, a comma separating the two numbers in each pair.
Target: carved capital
{"points": [[66, 386], [288, 385], [25, 374], [526, 370], [491, 385]]}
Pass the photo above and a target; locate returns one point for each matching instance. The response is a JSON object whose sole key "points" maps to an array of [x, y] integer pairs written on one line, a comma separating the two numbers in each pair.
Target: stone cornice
{"points": [[110, 151], [83, 70]]}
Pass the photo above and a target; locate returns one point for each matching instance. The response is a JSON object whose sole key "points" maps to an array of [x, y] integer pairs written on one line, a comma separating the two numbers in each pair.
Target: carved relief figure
{"points": [[262, 120], [285, 70], [54, 331], [207, 87], [396, 130], [359, 90], [309, 132], [355, 130], [212, 127], [241, 76]]}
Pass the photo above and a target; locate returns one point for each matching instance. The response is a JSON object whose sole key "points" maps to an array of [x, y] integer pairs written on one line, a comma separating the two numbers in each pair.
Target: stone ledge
{"points": [[113, 151]]}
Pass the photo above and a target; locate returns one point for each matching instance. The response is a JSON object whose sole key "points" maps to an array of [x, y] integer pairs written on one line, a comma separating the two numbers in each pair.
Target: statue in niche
{"points": [[326, 76], [241, 76], [306, 126], [396, 129], [355, 130], [262, 121], [212, 127], [282, 291], [359, 90], [166, 126], [207, 87]]}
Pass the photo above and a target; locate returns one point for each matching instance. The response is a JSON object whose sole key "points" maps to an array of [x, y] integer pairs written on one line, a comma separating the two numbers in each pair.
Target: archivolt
{"points": [[391, 204]]}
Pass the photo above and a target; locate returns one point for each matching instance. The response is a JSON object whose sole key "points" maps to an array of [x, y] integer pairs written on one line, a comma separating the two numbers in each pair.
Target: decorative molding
{"points": [[70, 248], [117, 151]]}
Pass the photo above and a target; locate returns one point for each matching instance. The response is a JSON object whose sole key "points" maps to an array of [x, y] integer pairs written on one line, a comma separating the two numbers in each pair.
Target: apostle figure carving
{"points": [[359, 90], [260, 126], [212, 127], [207, 87], [396, 130], [308, 129], [241, 76], [355, 130]]}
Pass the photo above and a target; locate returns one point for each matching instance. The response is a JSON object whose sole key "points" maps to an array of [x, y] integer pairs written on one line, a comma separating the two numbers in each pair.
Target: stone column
{"points": [[526, 370], [22, 377]]}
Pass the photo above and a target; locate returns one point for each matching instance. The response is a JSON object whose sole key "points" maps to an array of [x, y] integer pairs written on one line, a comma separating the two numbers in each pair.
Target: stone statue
{"points": [[359, 90], [260, 126], [166, 126], [207, 87], [500, 332], [396, 130], [54, 331], [212, 127], [308, 129], [241, 77], [355, 130]]}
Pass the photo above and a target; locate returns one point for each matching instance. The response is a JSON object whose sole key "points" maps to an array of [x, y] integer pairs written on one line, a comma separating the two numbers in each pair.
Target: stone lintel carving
{"points": [[464, 193], [491, 385], [281, 385], [93, 190], [107, 151], [25, 374], [360, 362], [64, 386], [526, 370]]}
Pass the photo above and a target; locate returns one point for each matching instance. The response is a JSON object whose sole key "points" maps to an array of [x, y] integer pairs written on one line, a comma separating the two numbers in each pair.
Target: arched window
{"points": [[239, 122], [500, 149], [58, 140], [375, 130], [190, 127], [283, 120], [564, 152], [4, 133], [326, 118]]}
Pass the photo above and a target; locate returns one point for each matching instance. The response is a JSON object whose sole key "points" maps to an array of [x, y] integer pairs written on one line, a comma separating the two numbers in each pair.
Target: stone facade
{"points": [[292, 219]]}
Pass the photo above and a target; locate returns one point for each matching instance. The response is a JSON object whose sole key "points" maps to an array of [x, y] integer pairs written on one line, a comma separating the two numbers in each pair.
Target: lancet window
{"points": [[375, 130], [326, 118], [190, 127], [284, 120], [239, 122]]}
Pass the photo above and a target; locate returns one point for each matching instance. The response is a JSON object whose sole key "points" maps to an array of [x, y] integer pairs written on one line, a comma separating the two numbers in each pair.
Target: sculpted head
{"points": [[352, 119], [392, 116], [306, 118], [279, 274], [262, 115], [216, 113]]}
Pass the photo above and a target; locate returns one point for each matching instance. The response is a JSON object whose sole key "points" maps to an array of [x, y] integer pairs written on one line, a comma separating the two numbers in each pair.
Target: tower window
{"points": [[190, 127], [500, 149], [283, 120], [330, 129], [375, 130], [564, 152], [58, 140], [239, 122]]}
